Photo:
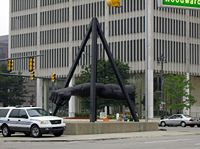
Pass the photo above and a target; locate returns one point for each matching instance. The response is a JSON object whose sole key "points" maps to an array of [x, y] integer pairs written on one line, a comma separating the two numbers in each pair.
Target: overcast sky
{"points": [[4, 17]]}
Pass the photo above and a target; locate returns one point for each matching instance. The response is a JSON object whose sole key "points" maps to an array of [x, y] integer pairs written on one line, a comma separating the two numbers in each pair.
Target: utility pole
{"points": [[162, 60], [149, 69]]}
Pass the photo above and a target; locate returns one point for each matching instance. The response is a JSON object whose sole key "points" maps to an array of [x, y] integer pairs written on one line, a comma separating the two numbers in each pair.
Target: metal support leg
{"points": [[81, 49], [71, 72], [116, 71], [93, 109]]}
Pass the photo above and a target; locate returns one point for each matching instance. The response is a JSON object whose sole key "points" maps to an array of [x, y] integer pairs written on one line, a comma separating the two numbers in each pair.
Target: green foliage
{"points": [[175, 88], [82, 115], [12, 89], [105, 74]]}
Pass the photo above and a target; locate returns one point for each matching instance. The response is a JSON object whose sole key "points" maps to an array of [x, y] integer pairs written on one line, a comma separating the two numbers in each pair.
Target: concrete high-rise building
{"points": [[3, 50], [30, 98], [3, 47], [55, 29]]}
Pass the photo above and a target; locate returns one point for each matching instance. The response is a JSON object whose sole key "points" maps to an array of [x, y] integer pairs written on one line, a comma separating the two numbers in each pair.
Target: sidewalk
{"points": [[68, 120], [68, 138]]}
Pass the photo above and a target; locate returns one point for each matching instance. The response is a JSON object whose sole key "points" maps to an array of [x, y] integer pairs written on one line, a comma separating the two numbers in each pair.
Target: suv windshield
{"points": [[37, 112], [3, 112]]}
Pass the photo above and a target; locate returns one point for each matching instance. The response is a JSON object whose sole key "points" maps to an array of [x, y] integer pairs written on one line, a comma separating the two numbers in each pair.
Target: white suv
{"points": [[32, 121]]}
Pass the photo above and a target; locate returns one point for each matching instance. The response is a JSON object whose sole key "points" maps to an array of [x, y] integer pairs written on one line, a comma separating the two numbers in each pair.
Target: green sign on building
{"points": [[188, 4]]}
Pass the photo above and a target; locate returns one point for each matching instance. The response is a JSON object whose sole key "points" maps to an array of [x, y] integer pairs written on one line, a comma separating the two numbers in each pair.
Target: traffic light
{"points": [[31, 63], [53, 77], [32, 75], [10, 65], [113, 3]]}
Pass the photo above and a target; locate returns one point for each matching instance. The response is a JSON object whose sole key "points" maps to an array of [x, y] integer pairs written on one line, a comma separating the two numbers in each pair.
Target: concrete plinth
{"points": [[81, 128]]}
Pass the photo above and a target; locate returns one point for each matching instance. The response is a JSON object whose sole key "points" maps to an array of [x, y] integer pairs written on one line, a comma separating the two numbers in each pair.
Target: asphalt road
{"points": [[174, 142], [181, 129], [189, 141]]}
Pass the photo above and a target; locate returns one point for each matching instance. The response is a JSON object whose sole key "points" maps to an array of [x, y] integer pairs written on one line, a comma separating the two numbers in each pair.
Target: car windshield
{"points": [[37, 112], [188, 116]]}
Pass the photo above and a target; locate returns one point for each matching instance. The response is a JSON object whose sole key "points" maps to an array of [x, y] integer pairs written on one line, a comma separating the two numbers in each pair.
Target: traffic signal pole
{"points": [[15, 58]]}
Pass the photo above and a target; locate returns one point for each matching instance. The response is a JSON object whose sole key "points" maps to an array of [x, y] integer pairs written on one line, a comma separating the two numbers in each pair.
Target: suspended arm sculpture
{"points": [[107, 91], [62, 96]]}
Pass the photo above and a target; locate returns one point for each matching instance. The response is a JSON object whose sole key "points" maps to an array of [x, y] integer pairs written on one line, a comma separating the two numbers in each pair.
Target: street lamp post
{"points": [[162, 60]]}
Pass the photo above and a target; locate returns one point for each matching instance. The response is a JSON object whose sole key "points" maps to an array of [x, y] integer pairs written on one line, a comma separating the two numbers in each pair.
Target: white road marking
{"points": [[166, 141]]}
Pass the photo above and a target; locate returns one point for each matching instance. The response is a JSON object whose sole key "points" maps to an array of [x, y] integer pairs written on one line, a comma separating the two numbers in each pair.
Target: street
{"points": [[183, 141]]}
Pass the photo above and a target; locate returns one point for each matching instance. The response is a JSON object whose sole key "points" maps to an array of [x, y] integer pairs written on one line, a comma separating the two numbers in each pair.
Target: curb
{"points": [[65, 140]]}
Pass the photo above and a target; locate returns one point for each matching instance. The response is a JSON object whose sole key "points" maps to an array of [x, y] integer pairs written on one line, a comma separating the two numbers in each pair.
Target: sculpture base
{"points": [[82, 128]]}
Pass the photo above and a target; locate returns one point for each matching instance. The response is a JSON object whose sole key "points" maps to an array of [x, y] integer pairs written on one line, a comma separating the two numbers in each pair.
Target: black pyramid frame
{"points": [[95, 29]]}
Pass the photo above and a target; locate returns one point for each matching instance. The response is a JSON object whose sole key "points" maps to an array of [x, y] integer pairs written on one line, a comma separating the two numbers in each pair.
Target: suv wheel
{"points": [[163, 124], [6, 131], [58, 134], [35, 131]]}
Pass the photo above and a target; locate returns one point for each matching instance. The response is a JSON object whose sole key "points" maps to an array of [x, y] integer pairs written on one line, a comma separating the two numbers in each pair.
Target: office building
{"points": [[55, 29], [3, 47]]}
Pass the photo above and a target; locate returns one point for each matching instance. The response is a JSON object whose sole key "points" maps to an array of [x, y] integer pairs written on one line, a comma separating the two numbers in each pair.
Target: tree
{"points": [[12, 89], [175, 88], [105, 74]]}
